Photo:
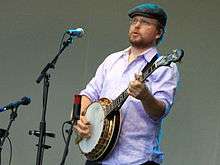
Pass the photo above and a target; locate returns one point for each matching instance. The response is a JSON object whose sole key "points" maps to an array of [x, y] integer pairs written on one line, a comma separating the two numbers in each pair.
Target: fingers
{"points": [[139, 77], [134, 89], [137, 87], [84, 120], [83, 127], [136, 84], [84, 133], [131, 93]]}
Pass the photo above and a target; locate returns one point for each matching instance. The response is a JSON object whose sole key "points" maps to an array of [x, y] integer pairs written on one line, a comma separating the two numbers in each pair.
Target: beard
{"points": [[139, 41]]}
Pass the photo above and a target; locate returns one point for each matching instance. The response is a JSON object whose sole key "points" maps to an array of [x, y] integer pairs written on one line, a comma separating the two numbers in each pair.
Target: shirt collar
{"points": [[148, 54]]}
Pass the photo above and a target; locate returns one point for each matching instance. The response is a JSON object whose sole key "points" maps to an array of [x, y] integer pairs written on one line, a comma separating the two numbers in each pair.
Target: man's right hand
{"points": [[83, 127]]}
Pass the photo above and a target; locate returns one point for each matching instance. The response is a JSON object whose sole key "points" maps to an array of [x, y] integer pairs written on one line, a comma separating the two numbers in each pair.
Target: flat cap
{"points": [[151, 11]]}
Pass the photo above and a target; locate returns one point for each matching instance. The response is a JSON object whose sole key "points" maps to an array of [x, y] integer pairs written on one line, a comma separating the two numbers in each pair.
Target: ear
{"points": [[159, 34]]}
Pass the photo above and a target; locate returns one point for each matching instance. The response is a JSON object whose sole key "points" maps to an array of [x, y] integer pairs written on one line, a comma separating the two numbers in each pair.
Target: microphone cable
{"points": [[61, 41], [63, 125], [10, 152]]}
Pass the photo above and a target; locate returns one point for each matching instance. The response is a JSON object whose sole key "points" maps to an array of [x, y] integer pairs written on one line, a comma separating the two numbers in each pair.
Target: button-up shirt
{"points": [[139, 139]]}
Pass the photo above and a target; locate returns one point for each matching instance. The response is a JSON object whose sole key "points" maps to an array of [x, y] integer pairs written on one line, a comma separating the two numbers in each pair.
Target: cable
{"points": [[66, 122], [61, 41], [0, 154], [10, 146]]}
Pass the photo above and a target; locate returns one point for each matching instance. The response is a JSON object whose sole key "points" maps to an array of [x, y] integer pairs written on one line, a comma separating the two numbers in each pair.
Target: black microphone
{"points": [[37, 133], [24, 101], [76, 107], [79, 32]]}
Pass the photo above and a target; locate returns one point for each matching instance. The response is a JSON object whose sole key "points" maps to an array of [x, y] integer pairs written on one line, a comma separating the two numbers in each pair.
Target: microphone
{"points": [[24, 101], [79, 32], [76, 107], [37, 133]]}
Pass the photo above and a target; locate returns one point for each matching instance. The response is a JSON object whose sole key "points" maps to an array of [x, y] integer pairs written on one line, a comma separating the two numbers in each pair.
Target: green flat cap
{"points": [[151, 11]]}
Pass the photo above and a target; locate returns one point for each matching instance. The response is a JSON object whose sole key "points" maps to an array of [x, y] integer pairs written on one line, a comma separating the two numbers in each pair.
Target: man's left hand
{"points": [[137, 88]]}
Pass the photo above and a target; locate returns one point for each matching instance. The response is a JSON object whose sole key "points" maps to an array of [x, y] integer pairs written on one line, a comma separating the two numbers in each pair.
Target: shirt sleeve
{"points": [[94, 87], [164, 84]]}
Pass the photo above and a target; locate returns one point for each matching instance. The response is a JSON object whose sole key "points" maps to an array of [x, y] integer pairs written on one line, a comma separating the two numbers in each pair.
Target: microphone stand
{"points": [[13, 115], [44, 75]]}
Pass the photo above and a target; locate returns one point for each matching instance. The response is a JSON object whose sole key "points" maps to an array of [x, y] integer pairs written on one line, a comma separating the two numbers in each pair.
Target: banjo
{"points": [[104, 115]]}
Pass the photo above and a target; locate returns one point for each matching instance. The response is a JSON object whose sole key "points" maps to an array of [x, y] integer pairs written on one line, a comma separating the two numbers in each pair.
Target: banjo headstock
{"points": [[175, 55]]}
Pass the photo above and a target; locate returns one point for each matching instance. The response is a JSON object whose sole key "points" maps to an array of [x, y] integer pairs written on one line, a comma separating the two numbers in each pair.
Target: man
{"points": [[149, 101]]}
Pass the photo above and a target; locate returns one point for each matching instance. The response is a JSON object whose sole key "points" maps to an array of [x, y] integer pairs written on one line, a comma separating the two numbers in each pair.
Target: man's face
{"points": [[143, 32]]}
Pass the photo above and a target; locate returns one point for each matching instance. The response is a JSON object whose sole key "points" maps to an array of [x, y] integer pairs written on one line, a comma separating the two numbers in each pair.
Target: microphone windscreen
{"points": [[26, 100]]}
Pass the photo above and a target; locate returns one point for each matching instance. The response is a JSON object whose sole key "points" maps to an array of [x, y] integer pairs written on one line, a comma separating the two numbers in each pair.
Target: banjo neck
{"points": [[119, 101], [116, 104], [174, 55]]}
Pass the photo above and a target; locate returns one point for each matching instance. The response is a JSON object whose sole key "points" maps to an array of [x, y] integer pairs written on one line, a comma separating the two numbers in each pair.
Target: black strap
{"points": [[150, 63], [150, 163]]}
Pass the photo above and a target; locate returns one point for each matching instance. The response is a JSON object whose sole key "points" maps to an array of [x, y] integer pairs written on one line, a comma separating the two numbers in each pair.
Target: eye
{"points": [[145, 22], [142, 21], [134, 21]]}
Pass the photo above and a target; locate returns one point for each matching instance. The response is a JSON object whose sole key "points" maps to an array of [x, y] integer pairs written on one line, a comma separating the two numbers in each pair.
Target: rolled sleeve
{"points": [[94, 87], [165, 81]]}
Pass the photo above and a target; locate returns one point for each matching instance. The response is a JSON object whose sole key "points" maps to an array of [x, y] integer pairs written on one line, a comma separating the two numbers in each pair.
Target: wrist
{"points": [[146, 95]]}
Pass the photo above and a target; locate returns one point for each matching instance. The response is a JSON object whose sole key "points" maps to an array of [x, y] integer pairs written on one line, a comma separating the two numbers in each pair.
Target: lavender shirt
{"points": [[140, 135]]}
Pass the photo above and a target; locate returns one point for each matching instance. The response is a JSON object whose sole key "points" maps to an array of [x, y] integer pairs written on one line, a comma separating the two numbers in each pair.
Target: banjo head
{"points": [[95, 115]]}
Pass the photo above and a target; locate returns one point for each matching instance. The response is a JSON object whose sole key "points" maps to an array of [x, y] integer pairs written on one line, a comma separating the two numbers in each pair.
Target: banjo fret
{"points": [[117, 103]]}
